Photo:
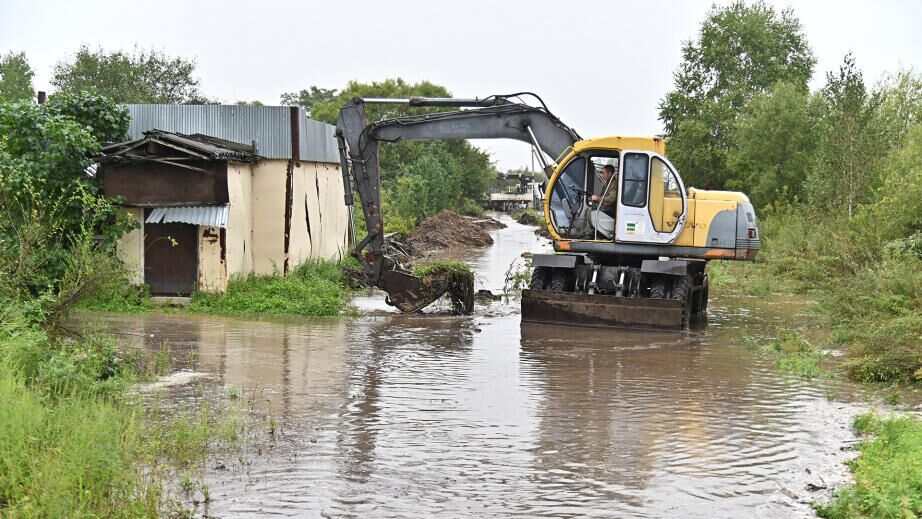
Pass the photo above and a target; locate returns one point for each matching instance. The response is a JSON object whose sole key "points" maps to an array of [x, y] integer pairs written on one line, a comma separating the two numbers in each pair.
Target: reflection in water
{"points": [[399, 415]]}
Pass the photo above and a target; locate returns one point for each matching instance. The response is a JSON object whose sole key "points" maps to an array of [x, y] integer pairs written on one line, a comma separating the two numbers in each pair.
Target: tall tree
{"points": [[475, 170], [48, 198], [307, 98], [775, 144], [136, 77], [741, 51], [15, 77], [852, 148]]}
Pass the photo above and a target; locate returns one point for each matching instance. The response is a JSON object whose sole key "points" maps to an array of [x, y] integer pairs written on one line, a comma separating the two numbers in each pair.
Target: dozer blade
{"points": [[411, 294], [545, 307]]}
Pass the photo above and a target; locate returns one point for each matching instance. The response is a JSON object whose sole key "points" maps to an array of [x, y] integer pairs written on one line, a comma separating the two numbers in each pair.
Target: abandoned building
{"points": [[220, 191]]}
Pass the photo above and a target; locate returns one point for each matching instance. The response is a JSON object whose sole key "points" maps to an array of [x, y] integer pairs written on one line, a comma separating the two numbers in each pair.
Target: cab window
{"points": [[636, 166], [565, 197], [666, 202]]}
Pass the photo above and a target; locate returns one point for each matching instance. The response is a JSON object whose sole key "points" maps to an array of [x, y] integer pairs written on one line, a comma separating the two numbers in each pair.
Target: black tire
{"points": [[538, 278], [658, 288], [559, 280], [679, 292], [704, 295], [679, 288]]}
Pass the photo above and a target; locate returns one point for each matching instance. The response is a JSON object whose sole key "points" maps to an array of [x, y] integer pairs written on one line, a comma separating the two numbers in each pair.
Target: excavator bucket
{"points": [[410, 293], [547, 307]]}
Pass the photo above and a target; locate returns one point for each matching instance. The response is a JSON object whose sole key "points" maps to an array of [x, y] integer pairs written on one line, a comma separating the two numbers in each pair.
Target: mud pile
{"points": [[448, 230], [528, 218]]}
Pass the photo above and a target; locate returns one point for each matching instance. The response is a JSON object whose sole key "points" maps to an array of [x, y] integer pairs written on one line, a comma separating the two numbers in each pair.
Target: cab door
{"points": [[652, 204]]}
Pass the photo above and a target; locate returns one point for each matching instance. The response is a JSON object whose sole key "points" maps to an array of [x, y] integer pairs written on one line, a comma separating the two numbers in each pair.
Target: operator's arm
{"points": [[610, 199]]}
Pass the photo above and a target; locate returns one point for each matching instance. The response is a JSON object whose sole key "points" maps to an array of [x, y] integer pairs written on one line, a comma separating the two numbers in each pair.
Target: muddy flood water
{"points": [[388, 415]]}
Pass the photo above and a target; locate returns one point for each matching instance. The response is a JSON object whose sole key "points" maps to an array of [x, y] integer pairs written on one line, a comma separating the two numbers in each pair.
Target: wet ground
{"points": [[399, 416]]}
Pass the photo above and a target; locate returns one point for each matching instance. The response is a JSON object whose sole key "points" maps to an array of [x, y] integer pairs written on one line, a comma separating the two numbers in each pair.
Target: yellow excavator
{"points": [[631, 242]]}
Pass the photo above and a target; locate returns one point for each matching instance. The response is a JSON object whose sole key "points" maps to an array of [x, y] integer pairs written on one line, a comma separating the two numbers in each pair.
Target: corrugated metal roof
{"points": [[202, 146], [269, 126], [210, 215]]}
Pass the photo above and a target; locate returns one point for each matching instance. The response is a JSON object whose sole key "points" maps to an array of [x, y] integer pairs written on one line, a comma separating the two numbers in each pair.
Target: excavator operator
{"points": [[609, 197]]}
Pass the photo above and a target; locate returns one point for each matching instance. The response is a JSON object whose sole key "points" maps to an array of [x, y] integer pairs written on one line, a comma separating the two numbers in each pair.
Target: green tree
{"points": [[901, 105], [15, 77], [775, 139], [136, 77], [474, 168], [741, 51], [430, 184], [899, 209], [852, 147], [307, 98], [49, 200]]}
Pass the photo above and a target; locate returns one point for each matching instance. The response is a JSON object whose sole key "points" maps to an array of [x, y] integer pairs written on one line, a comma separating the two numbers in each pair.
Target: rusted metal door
{"points": [[170, 258]]}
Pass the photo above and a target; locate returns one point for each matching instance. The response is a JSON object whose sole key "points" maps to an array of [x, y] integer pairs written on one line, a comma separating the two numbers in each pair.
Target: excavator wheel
{"points": [[700, 303], [559, 280], [679, 288], [658, 288], [680, 293], [539, 278]]}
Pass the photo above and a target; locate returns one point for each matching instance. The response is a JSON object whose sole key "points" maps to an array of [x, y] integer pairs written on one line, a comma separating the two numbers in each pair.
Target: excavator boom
{"points": [[495, 117]]}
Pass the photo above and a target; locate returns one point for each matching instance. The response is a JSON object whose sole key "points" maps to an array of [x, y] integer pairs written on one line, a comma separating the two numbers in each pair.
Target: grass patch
{"points": [[314, 288], [794, 355], [76, 442], [888, 471], [869, 290], [449, 268]]}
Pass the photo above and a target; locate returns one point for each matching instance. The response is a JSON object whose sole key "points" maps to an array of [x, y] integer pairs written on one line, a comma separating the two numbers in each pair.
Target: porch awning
{"points": [[210, 215]]}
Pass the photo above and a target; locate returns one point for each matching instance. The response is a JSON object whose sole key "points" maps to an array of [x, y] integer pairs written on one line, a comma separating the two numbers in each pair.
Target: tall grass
{"points": [[315, 288], [75, 442], [888, 471], [870, 291]]}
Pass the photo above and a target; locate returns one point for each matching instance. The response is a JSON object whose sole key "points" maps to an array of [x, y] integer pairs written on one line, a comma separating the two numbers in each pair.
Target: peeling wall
{"points": [[319, 219], [212, 269], [239, 251], [268, 202], [131, 246]]}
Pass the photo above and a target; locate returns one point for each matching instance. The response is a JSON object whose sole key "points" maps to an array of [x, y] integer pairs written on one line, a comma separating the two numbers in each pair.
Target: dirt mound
{"points": [[529, 218], [448, 229], [532, 217]]}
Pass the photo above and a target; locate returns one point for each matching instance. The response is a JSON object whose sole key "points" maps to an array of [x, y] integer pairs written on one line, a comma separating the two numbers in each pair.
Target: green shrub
{"points": [[315, 288], [794, 355]]}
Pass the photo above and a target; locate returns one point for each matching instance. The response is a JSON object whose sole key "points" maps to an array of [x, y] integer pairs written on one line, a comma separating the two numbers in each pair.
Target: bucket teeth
{"points": [[546, 307]]}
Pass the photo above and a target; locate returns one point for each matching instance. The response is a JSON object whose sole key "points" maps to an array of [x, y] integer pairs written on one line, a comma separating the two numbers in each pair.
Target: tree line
{"points": [[418, 179]]}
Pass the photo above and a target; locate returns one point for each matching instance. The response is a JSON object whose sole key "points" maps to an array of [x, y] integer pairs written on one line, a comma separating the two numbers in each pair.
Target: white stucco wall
{"points": [[131, 246], [212, 269], [319, 219], [239, 241]]}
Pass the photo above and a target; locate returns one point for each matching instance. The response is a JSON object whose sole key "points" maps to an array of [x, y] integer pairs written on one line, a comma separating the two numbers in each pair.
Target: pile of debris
{"points": [[533, 217], [448, 230]]}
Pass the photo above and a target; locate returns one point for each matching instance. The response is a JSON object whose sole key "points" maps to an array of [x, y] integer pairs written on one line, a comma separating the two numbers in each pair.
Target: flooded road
{"points": [[408, 416]]}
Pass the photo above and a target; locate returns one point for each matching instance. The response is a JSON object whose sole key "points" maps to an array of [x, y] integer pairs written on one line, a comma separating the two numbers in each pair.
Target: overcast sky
{"points": [[602, 67]]}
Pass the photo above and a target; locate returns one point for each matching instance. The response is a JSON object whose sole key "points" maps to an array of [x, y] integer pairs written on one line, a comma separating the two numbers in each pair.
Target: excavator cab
{"points": [[650, 201]]}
